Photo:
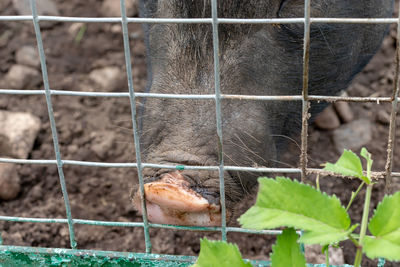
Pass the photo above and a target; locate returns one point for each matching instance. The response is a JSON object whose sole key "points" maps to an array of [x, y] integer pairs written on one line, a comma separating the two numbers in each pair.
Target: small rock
{"points": [[102, 143], [10, 182], [116, 28], [72, 149], [344, 111], [20, 130], [359, 89], [5, 37], [44, 8], [4, 4], [36, 192], [28, 56], [327, 119], [21, 77], [107, 77], [353, 135], [383, 117], [315, 256], [111, 8]]}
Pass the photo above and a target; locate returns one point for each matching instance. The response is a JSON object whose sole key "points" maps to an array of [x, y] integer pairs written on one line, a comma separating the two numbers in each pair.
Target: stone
{"points": [[21, 77], [10, 182], [5, 37], [111, 8], [344, 111], [327, 119], [352, 135], [314, 255], [20, 130], [44, 8], [383, 117], [4, 4], [107, 78], [102, 143], [28, 56]]}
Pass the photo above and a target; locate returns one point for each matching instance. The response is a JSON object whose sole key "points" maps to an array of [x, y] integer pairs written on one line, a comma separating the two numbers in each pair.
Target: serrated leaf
{"points": [[219, 254], [381, 248], [286, 251], [385, 226], [349, 164], [283, 202], [322, 238]]}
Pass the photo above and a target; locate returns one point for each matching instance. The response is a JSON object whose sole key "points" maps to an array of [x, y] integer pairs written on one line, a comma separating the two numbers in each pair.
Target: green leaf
{"points": [[286, 251], [349, 164], [365, 154], [283, 202], [385, 226], [317, 237], [219, 254], [381, 248]]}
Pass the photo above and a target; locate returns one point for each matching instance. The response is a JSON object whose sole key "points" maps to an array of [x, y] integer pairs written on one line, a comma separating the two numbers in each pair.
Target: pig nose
{"points": [[170, 200]]}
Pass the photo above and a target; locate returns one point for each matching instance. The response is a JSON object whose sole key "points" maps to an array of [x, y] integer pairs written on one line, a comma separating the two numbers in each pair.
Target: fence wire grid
{"points": [[305, 98]]}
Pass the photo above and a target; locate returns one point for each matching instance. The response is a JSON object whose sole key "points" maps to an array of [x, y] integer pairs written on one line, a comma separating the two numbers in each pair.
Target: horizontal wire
{"points": [[203, 20], [207, 96]]}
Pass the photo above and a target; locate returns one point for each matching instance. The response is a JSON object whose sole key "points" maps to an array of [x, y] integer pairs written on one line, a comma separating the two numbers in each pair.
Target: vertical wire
{"points": [[132, 99], [214, 13], [392, 127], [305, 102], [53, 123]]}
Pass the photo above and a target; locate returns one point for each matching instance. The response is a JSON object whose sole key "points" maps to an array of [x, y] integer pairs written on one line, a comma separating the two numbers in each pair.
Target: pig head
{"points": [[255, 59]]}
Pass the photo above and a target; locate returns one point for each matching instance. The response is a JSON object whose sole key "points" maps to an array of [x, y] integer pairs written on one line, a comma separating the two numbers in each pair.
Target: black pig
{"points": [[255, 59]]}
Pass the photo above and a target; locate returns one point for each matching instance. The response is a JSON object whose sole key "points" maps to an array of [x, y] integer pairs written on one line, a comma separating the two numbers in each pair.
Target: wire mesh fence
{"points": [[44, 256]]}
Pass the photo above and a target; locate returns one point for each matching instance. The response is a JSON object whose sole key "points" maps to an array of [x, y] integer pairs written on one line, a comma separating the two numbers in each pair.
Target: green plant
{"points": [[282, 202]]}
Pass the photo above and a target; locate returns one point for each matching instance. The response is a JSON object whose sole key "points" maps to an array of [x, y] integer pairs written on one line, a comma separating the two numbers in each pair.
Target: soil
{"points": [[85, 124]]}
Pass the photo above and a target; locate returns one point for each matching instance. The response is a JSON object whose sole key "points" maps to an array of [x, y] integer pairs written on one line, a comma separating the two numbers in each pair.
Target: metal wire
{"points": [[204, 20], [393, 115], [317, 98], [305, 103], [53, 123], [218, 116], [132, 98], [214, 21]]}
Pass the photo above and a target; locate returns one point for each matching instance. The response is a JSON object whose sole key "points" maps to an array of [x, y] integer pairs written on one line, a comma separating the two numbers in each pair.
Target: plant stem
{"points": [[353, 195], [352, 239], [317, 182], [327, 257], [364, 222]]}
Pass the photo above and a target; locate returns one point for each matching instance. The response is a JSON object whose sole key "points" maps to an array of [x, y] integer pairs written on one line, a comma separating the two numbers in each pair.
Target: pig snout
{"points": [[175, 199]]}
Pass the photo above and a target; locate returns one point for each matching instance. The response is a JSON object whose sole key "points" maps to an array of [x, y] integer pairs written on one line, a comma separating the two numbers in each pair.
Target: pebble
{"points": [[44, 7], [10, 182], [327, 119], [314, 255], [21, 77], [4, 4], [106, 77], [359, 89], [111, 8], [344, 111], [28, 56], [5, 37], [20, 130], [352, 135], [103, 142], [383, 117]]}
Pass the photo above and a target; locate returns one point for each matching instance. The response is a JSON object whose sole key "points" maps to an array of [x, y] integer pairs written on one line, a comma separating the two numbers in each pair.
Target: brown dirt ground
{"points": [[103, 193]]}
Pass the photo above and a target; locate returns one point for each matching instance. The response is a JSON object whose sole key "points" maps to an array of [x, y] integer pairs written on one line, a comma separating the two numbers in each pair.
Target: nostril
{"points": [[212, 197]]}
